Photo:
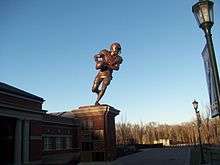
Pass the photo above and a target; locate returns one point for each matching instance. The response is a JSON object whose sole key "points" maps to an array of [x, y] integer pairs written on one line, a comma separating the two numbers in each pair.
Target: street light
{"points": [[195, 106], [203, 11]]}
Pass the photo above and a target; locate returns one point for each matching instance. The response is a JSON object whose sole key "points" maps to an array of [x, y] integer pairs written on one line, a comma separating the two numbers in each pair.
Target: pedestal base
{"points": [[98, 139]]}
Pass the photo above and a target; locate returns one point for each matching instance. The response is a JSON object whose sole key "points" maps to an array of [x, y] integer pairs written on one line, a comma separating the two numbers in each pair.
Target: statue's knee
{"points": [[106, 83], [93, 89]]}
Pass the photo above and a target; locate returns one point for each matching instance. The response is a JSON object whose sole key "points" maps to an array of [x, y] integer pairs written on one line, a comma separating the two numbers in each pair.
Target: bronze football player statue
{"points": [[106, 62]]}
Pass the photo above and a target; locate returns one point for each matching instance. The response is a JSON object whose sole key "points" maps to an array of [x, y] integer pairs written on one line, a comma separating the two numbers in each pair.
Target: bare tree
{"points": [[146, 133]]}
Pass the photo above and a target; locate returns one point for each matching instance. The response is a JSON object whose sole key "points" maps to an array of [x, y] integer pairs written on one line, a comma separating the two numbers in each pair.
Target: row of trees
{"points": [[184, 133]]}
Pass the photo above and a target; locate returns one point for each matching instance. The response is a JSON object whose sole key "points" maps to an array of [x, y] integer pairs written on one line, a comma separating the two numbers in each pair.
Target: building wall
{"points": [[111, 137], [58, 137], [52, 142], [24, 127], [60, 143], [19, 102]]}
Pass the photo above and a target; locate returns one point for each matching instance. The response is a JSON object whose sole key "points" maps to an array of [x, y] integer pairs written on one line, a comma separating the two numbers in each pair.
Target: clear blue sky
{"points": [[47, 48]]}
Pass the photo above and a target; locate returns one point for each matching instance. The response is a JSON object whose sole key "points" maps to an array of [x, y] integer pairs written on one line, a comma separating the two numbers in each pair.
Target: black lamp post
{"points": [[203, 11], [195, 106]]}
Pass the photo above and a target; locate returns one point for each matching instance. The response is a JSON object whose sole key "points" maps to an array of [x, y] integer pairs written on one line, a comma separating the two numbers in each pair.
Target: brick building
{"points": [[31, 136]]}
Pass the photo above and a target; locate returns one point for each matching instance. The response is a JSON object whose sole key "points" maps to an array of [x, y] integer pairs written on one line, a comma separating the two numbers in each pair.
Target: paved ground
{"points": [[156, 156]]}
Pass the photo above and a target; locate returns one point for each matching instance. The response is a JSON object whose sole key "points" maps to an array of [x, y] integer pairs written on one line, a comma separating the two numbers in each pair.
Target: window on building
{"points": [[90, 124], [98, 135], [83, 124], [57, 142], [52, 143], [69, 142], [63, 142], [46, 143]]}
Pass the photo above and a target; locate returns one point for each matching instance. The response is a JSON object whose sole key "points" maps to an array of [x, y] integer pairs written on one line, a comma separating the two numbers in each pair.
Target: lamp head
{"points": [[195, 105], [203, 11]]}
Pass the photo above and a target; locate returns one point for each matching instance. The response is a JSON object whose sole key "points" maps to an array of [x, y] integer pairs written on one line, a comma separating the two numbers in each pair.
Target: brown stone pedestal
{"points": [[98, 139]]}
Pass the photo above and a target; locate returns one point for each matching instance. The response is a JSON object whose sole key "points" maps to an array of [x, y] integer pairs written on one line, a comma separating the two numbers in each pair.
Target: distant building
{"points": [[165, 142]]}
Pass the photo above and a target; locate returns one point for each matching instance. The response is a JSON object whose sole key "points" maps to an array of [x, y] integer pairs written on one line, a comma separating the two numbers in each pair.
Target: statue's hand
{"points": [[121, 60], [96, 57], [115, 66], [100, 64]]}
